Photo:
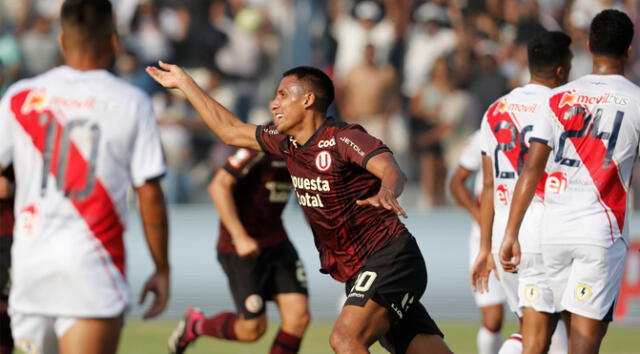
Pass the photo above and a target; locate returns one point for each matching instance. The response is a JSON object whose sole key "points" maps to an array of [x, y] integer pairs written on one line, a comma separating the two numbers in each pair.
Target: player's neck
{"points": [[551, 83], [608, 66], [86, 62], [308, 127]]}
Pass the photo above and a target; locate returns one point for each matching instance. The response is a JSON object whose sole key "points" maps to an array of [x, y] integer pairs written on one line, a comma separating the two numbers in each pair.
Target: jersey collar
{"points": [[327, 122]]}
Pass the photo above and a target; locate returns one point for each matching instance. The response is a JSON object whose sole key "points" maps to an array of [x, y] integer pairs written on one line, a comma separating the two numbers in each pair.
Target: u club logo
{"points": [[323, 160]]}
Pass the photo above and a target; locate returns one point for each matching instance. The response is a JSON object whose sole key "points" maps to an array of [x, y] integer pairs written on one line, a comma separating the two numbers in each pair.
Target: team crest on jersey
{"points": [[323, 160], [28, 346], [583, 292], [556, 183], [502, 194], [253, 303], [531, 293]]}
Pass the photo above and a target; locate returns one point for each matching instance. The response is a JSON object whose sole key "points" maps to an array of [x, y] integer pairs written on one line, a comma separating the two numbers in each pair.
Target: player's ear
{"points": [[115, 44], [61, 42], [309, 99]]}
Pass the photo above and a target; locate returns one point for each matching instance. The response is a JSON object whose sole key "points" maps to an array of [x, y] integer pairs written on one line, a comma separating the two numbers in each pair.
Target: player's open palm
{"points": [[246, 247], [384, 199], [158, 284], [168, 75], [510, 254], [481, 271]]}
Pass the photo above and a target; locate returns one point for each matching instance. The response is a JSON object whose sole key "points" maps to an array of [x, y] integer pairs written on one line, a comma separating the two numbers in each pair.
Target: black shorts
{"points": [[395, 277], [5, 265], [254, 280]]}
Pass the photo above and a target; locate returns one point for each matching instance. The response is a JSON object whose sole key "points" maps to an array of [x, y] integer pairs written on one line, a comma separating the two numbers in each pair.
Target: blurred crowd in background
{"points": [[416, 74]]}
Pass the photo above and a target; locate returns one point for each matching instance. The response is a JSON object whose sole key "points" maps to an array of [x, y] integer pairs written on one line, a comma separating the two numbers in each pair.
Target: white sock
{"points": [[488, 342], [513, 345], [559, 343]]}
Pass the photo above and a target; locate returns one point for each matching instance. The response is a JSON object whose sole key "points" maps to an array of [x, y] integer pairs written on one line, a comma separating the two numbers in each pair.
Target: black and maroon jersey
{"points": [[6, 208], [329, 176], [260, 194]]}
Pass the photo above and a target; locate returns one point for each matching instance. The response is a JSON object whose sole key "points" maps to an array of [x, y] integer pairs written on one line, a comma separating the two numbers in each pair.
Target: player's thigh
{"points": [[247, 278], [90, 335], [34, 334], [428, 343], [594, 281], [363, 324]]}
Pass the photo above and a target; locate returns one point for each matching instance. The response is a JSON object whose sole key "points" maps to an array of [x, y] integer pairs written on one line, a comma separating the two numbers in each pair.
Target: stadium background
{"points": [[467, 52]]}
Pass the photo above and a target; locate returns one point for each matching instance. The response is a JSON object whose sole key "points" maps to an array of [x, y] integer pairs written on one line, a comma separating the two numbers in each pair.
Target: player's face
{"points": [[287, 107]]}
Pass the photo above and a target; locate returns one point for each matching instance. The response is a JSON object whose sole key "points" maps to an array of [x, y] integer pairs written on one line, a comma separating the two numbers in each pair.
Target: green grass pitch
{"points": [[151, 338]]}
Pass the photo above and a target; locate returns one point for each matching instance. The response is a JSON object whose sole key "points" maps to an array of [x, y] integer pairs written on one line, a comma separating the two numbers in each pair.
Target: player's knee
{"points": [[251, 330], [493, 324], [343, 342]]}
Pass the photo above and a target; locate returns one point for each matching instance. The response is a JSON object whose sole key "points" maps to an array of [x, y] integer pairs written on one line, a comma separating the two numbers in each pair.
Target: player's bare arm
{"points": [[522, 196], [6, 187], [385, 167], [154, 220], [229, 128], [221, 192], [461, 193], [484, 264]]}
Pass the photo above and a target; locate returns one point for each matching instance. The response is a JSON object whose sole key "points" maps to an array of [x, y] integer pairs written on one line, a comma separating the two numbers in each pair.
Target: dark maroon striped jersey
{"points": [[329, 176], [6, 208], [260, 194]]}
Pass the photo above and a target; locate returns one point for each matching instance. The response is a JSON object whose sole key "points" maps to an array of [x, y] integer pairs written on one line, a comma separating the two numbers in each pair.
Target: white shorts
{"points": [[533, 284], [35, 334], [585, 279], [495, 295], [509, 282]]}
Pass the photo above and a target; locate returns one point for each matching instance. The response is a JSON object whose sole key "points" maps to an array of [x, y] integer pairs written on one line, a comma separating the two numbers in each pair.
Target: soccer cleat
{"points": [[185, 333]]}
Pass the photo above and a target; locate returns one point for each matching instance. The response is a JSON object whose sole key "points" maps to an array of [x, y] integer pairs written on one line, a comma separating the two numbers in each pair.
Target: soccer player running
{"points": [[77, 137], [490, 303], [506, 130], [250, 193], [590, 136], [347, 183]]}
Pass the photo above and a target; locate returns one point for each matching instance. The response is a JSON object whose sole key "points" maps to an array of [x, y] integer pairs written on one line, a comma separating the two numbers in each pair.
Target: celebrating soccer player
{"points": [[590, 134], [250, 193], [506, 130], [347, 183], [77, 137]]}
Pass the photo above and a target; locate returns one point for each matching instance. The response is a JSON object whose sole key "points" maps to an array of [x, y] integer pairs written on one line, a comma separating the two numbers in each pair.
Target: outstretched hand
{"points": [[246, 247], [384, 199], [158, 284], [168, 75]]}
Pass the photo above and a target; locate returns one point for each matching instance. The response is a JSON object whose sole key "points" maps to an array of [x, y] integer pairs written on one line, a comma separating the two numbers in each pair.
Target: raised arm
{"points": [[522, 196], [224, 124], [461, 193], [385, 167], [153, 213], [221, 192]]}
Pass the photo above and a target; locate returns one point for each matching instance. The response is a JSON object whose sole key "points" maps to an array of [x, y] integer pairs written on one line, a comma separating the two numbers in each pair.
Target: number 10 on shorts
{"points": [[364, 281]]}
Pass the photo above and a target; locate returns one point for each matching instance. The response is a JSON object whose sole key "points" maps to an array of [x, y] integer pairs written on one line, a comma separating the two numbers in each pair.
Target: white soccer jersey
{"points": [[593, 126], [77, 140], [471, 159], [506, 129]]}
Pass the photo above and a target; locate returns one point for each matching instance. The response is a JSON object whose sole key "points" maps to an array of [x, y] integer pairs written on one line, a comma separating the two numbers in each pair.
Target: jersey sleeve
{"points": [[6, 138], [356, 146], [147, 160], [241, 161], [270, 139], [485, 136], [543, 128], [471, 157]]}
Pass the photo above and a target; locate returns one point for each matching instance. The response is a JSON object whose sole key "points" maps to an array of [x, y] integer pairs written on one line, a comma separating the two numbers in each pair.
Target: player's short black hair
{"points": [[610, 34], [316, 81], [547, 50], [91, 21]]}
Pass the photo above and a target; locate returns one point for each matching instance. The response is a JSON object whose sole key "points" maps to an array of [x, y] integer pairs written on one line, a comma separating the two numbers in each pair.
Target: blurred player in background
{"points": [[347, 183], [77, 137], [7, 188], [506, 129], [490, 303], [590, 136], [250, 193]]}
